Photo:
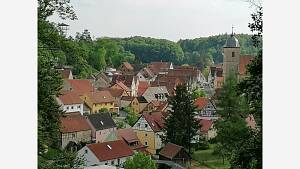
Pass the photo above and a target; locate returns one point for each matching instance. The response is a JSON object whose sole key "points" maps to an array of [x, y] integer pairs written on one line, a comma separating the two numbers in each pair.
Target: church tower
{"points": [[231, 56]]}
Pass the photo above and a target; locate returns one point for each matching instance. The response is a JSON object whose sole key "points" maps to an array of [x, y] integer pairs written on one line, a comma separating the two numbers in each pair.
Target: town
{"points": [[113, 114], [142, 102]]}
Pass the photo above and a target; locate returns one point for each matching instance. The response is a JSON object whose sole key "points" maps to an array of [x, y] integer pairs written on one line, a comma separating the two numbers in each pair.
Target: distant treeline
{"points": [[87, 55]]}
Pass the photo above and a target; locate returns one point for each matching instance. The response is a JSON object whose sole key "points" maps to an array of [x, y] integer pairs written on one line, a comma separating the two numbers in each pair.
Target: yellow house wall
{"points": [[97, 107], [135, 105], [150, 139]]}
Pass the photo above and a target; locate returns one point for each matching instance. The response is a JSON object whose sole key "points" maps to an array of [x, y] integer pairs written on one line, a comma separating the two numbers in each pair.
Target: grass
{"points": [[210, 160]]}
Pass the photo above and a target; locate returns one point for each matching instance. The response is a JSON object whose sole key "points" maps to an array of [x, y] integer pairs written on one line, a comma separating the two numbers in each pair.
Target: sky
{"points": [[164, 19]]}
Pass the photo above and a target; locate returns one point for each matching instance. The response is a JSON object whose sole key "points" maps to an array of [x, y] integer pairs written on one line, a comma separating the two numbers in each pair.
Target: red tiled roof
{"points": [[156, 67], [170, 150], [244, 60], [103, 152], [205, 125], [70, 97], [123, 86], [74, 123], [201, 102], [127, 98], [114, 91], [143, 86], [127, 134], [100, 97], [128, 65], [162, 106], [81, 86], [125, 79], [156, 120]]}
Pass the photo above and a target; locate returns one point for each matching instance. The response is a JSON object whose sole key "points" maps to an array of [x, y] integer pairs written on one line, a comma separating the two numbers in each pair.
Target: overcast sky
{"points": [[167, 19]]}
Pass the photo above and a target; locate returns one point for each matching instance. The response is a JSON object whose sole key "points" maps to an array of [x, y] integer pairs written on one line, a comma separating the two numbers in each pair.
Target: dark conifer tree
{"points": [[181, 125]]}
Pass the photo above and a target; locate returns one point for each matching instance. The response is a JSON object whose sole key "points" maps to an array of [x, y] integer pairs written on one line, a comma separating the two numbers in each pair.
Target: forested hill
{"points": [[208, 49]]}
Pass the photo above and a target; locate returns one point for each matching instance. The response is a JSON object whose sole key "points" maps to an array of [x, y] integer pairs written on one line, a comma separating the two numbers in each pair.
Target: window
{"points": [[146, 134], [106, 163], [67, 107], [146, 143], [78, 107], [146, 125], [233, 54], [73, 135], [71, 107], [138, 124], [86, 151], [112, 162]]}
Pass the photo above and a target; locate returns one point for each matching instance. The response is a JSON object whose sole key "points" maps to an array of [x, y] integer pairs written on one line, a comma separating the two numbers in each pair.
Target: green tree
{"points": [[232, 130], [131, 117], [196, 93], [249, 154], [181, 126], [139, 161], [63, 8]]}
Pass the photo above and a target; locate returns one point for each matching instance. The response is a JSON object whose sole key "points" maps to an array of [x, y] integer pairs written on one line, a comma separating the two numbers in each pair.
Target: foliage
{"points": [[131, 118], [63, 8], [138, 161], [209, 159], [150, 49], [249, 154], [120, 124], [196, 93], [208, 50], [103, 110], [231, 127], [181, 126]]}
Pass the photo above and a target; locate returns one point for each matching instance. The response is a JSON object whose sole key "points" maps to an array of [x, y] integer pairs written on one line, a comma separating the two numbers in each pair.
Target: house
{"points": [[128, 80], [146, 74], [122, 86], [99, 100], [65, 73], [207, 129], [116, 94], [206, 107], [244, 61], [169, 81], [131, 139], [188, 75], [126, 101], [218, 82], [149, 130], [126, 68], [113, 153], [175, 153], [159, 93], [99, 80], [101, 124], [70, 102], [160, 67], [142, 103], [74, 130]]}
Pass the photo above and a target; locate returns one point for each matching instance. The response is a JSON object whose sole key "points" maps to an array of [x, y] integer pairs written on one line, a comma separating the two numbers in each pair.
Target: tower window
{"points": [[233, 54]]}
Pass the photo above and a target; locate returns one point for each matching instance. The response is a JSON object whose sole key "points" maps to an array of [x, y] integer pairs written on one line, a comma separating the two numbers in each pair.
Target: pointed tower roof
{"points": [[232, 41]]}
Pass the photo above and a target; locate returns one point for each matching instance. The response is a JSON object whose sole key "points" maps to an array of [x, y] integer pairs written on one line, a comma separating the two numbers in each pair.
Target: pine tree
{"points": [[181, 125], [231, 127]]}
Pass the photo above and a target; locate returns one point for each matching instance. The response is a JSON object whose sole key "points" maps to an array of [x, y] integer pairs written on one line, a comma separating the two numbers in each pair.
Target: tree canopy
{"points": [[138, 161]]}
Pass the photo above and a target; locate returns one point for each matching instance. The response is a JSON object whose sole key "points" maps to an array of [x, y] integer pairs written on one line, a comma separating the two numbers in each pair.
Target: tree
{"points": [[232, 131], [131, 117], [138, 161], [181, 125], [249, 154], [63, 8], [103, 110], [196, 93]]}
